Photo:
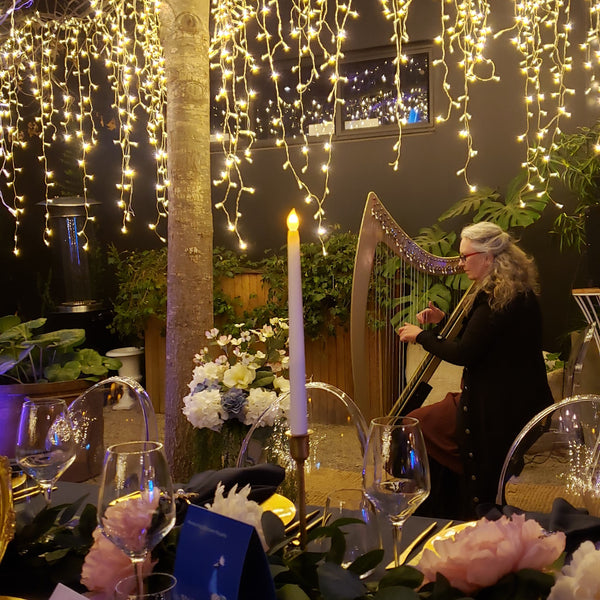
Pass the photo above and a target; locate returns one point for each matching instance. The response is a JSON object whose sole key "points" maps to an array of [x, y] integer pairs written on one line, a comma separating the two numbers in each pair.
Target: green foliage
{"points": [[142, 290], [51, 547], [27, 357], [327, 283], [521, 206]]}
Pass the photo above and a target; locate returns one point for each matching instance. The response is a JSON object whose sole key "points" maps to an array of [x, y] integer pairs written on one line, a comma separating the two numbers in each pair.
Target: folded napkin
{"points": [[576, 523], [263, 480]]}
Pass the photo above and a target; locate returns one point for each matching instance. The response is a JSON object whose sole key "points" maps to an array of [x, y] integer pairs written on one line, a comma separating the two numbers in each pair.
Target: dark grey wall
{"points": [[426, 183]]}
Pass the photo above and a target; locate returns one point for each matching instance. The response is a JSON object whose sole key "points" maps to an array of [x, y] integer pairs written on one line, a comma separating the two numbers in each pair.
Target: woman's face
{"points": [[476, 264]]}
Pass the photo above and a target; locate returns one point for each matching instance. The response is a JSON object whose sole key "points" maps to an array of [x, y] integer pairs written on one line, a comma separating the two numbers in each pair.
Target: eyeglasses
{"points": [[463, 257]]}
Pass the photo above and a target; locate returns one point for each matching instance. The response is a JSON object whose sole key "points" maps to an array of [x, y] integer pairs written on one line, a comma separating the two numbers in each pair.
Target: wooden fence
{"points": [[327, 360]]}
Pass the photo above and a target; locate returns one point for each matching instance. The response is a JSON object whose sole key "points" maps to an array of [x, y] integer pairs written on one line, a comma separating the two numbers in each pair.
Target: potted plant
{"points": [[50, 364]]}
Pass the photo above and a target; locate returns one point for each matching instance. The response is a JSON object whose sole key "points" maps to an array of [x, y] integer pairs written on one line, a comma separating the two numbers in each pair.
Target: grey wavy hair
{"points": [[513, 272]]}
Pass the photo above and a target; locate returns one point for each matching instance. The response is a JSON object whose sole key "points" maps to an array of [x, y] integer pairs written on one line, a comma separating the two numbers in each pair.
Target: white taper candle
{"points": [[298, 409]]}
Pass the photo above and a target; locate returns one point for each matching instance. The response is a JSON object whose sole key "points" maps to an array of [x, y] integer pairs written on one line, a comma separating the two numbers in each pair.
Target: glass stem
{"points": [[397, 534], [138, 565], [47, 491]]}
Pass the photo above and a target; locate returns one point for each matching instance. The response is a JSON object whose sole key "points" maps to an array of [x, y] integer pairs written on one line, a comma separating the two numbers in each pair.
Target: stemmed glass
{"points": [[396, 471], [45, 441], [136, 507]]}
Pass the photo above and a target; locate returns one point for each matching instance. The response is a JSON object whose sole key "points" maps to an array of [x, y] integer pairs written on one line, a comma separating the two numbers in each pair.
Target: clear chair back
{"points": [[552, 455], [337, 441], [98, 425]]}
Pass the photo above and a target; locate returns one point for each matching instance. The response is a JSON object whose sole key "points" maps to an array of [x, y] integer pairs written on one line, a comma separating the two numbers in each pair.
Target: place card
{"points": [[62, 592], [219, 557]]}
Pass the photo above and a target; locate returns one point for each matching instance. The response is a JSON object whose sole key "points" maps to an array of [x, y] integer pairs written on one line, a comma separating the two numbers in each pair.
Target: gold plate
{"points": [[17, 480], [443, 535], [280, 506]]}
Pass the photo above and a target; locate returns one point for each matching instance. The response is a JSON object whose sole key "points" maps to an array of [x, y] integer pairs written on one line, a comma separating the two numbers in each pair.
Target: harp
{"points": [[393, 279]]}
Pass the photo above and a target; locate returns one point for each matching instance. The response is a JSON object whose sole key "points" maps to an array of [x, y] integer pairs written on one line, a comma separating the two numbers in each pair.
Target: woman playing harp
{"points": [[504, 378]]}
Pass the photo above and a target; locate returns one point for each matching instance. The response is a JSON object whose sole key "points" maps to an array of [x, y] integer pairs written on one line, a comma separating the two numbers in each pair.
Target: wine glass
{"points": [[396, 470], [359, 538], [136, 507], [45, 441], [157, 586]]}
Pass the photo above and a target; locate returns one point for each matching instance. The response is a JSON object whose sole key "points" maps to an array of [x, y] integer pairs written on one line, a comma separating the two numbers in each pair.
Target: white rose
{"points": [[215, 370], [203, 409], [239, 376], [282, 384]]}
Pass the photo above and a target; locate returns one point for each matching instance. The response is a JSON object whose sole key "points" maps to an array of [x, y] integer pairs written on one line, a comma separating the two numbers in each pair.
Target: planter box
{"points": [[12, 397]]}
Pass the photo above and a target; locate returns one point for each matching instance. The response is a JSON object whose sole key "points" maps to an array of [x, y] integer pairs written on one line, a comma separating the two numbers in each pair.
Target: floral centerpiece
{"points": [[235, 379]]}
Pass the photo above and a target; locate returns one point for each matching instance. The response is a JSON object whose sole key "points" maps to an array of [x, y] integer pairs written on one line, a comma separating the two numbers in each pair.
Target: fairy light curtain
{"points": [[51, 70]]}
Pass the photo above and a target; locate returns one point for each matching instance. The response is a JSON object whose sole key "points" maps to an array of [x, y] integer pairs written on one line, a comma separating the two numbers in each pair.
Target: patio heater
{"points": [[73, 281], [73, 287]]}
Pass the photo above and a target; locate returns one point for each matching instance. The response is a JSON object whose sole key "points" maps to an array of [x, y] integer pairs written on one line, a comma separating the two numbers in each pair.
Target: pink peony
{"points": [[478, 556], [105, 564]]}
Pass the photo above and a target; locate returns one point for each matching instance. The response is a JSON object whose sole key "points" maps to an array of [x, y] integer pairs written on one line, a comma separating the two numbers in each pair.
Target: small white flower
{"points": [[267, 331], [237, 506], [240, 376], [224, 340], [212, 334], [203, 409]]}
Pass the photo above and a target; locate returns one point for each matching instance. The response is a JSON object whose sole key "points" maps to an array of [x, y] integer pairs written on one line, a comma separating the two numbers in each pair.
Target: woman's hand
{"points": [[409, 333], [431, 315]]}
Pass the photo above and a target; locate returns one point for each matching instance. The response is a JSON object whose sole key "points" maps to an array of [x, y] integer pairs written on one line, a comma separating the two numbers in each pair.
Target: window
{"points": [[369, 96]]}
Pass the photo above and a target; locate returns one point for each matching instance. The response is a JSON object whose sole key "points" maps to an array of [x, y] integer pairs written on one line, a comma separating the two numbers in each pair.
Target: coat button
{"points": [[476, 500], [470, 455], [465, 409], [473, 478], [467, 431]]}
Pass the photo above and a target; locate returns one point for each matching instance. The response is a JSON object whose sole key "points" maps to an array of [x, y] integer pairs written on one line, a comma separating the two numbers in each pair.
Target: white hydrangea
{"points": [[579, 579], [258, 401], [208, 373], [239, 376], [237, 506], [203, 409]]}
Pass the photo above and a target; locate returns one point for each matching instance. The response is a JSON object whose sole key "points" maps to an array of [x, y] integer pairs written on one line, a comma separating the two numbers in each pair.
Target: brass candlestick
{"points": [[300, 449]]}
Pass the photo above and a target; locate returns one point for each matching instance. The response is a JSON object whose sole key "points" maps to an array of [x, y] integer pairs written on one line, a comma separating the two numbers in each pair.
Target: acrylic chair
{"points": [[98, 425], [551, 457], [338, 433], [574, 369]]}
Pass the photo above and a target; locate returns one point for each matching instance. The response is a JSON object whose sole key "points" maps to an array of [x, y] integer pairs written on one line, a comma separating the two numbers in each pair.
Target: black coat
{"points": [[504, 385]]}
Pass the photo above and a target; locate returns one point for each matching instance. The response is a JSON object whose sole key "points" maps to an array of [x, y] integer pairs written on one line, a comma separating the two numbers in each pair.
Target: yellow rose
{"points": [[239, 376]]}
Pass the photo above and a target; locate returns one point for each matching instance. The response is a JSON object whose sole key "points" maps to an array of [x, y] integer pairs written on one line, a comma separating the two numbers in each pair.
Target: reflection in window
{"points": [[370, 93], [318, 110]]}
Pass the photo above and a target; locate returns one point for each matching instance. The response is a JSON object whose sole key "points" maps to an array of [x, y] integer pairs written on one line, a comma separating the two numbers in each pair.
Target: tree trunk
{"points": [[185, 38]]}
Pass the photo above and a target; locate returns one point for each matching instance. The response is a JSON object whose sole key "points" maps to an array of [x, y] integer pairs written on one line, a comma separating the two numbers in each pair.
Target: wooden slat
{"points": [[155, 353]]}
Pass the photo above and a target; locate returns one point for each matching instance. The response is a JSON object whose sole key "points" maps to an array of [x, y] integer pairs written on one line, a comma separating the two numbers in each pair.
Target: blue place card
{"points": [[219, 558]]}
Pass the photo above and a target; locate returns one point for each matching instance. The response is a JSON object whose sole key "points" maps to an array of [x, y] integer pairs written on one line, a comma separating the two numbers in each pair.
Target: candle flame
{"points": [[293, 221]]}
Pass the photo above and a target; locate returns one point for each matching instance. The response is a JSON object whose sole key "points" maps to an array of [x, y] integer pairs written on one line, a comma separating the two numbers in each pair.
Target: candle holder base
{"points": [[300, 450]]}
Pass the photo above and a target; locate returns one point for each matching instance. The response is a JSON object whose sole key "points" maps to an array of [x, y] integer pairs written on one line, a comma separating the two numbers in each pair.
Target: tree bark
{"points": [[185, 39]]}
